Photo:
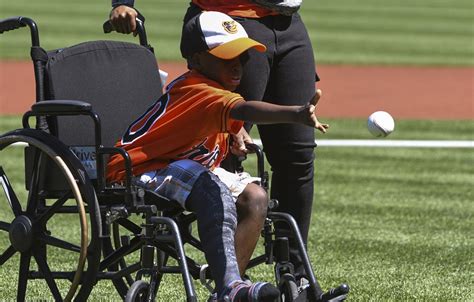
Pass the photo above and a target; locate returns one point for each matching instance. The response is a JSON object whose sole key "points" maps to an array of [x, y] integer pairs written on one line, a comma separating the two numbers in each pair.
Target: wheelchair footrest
{"points": [[333, 295], [336, 294]]}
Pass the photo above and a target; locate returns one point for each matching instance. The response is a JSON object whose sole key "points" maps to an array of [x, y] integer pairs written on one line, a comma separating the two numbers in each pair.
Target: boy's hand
{"points": [[123, 19], [238, 143], [316, 97], [311, 108]]}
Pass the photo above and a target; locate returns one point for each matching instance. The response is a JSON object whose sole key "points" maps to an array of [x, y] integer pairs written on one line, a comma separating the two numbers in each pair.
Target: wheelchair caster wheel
{"points": [[288, 288], [138, 292]]}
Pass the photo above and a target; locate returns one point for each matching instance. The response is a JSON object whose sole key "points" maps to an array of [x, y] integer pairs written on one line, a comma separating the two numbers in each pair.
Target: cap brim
{"points": [[235, 48]]}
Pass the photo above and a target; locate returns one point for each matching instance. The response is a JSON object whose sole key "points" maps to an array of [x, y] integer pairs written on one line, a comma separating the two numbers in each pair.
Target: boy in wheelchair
{"points": [[177, 145]]}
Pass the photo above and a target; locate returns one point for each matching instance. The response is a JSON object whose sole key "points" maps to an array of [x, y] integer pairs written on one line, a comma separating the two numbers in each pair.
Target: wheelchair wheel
{"points": [[288, 288], [138, 292], [45, 232]]}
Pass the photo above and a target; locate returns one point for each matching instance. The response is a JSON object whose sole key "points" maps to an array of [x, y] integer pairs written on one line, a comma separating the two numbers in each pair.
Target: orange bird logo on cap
{"points": [[230, 26]]}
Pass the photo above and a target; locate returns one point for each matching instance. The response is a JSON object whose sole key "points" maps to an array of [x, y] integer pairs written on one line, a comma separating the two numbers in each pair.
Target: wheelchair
{"points": [[86, 95]]}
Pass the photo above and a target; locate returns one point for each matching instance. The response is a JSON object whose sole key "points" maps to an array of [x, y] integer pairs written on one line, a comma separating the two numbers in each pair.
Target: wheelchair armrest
{"points": [[128, 165], [62, 107]]}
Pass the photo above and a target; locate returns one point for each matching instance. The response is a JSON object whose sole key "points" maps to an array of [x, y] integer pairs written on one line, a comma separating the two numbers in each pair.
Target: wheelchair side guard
{"points": [[73, 108]]}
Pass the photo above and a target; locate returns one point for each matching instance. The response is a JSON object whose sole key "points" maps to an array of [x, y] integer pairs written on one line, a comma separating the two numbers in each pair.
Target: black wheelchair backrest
{"points": [[119, 79]]}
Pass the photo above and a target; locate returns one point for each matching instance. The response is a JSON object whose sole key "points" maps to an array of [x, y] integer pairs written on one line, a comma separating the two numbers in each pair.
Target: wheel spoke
{"points": [[9, 252], [52, 209], [53, 241], [44, 268], [4, 226], [23, 276], [34, 183], [10, 193]]}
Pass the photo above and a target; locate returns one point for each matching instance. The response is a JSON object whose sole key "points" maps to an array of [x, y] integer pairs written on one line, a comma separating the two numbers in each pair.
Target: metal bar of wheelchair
{"points": [[18, 22], [193, 267], [36, 51], [181, 257], [56, 275], [285, 217], [119, 253], [260, 164], [121, 273], [108, 28]]}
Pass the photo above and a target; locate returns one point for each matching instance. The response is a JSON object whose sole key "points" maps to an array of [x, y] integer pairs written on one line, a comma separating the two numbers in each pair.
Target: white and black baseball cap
{"points": [[217, 33]]}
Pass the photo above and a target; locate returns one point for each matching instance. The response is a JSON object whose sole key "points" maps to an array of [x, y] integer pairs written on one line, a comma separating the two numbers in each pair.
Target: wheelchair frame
{"points": [[162, 234]]}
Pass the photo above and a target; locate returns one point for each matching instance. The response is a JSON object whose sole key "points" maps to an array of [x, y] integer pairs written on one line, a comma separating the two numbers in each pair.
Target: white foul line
{"points": [[380, 143], [389, 143]]}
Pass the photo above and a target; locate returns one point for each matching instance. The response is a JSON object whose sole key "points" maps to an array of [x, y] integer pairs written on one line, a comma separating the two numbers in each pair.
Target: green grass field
{"points": [[422, 32], [394, 223]]}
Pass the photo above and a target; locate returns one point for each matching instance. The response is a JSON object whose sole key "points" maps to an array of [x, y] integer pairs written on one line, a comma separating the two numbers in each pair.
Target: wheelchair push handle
{"points": [[13, 23], [108, 28]]}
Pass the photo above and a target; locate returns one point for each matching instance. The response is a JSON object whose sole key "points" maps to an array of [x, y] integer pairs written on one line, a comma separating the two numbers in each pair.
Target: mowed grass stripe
{"points": [[395, 224], [408, 211], [366, 32]]}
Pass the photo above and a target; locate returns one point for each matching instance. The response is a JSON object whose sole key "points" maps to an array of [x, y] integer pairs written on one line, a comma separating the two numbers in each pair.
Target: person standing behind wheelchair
{"points": [[285, 74]]}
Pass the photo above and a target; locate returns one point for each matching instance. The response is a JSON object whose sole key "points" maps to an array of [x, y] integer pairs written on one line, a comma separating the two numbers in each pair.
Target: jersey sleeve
{"points": [[231, 125], [218, 106]]}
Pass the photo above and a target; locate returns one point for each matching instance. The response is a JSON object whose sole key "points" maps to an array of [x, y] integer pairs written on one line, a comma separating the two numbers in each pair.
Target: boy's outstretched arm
{"points": [[266, 113]]}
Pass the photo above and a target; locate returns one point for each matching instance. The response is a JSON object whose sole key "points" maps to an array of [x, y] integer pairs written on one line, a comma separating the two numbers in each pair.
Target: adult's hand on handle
{"points": [[123, 19]]}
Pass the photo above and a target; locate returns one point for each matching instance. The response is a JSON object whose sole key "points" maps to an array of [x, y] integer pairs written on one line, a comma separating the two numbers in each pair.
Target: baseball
{"points": [[380, 124]]}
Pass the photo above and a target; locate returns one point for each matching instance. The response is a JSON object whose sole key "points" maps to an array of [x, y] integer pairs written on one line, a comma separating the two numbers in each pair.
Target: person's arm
{"points": [[116, 3], [266, 113]]}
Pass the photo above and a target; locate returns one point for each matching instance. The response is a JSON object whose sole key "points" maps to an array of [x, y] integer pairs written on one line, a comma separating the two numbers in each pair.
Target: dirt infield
{"points": [[349, 91]]}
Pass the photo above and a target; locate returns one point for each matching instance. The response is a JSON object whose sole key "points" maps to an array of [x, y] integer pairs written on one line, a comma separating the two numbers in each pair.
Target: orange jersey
{"points": [[190, 121], [238, 8]]}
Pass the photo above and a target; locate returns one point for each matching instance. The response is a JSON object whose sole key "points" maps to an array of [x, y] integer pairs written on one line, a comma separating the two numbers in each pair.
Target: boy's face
{"points": [[226, 72]]}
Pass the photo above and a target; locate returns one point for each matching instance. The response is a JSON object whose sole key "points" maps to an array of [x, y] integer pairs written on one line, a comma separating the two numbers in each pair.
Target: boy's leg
{"points": [[200, 191], [196, 189], [214, 206], [252, 206], [216, 220]]}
